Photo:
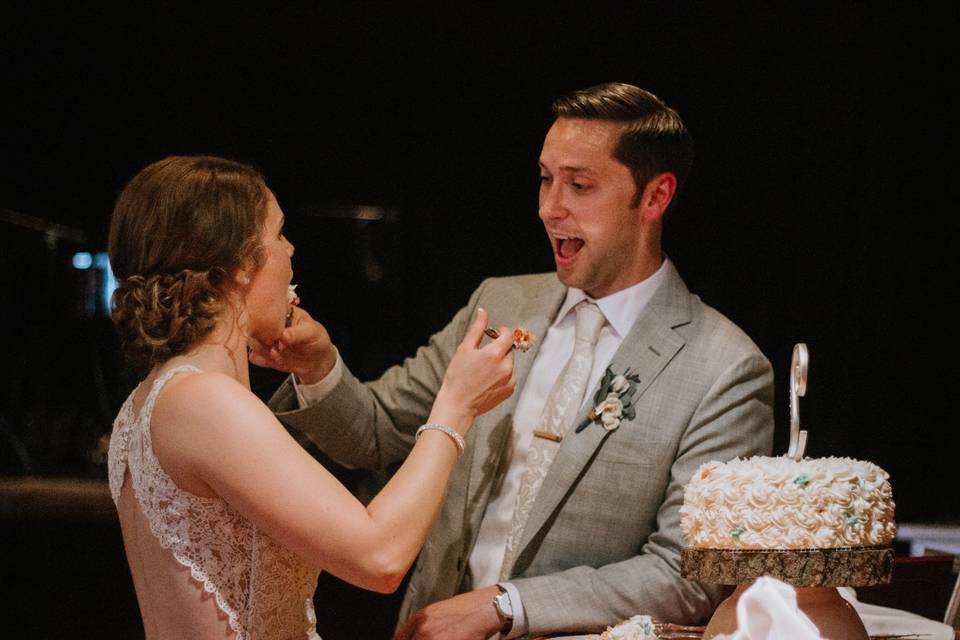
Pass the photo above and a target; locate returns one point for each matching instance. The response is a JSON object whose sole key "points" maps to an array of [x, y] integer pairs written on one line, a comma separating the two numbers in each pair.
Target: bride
{"points": [[226, 520]]}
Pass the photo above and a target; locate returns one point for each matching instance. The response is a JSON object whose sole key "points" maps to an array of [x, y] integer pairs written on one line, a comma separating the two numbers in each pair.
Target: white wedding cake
{"points": [[780, 503]]}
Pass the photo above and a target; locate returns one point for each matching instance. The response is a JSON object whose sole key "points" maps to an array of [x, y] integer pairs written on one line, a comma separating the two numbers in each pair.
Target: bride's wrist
{"points": [[447, 431], [451, 412]]}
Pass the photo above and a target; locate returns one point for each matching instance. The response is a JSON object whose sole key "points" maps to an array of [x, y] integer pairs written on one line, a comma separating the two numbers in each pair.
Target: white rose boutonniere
{"points": [[610, 411], [614, 400], [619, 384]]}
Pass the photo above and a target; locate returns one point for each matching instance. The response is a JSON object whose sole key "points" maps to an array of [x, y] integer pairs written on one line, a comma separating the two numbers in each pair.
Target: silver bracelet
{"points": [[456, 437]]}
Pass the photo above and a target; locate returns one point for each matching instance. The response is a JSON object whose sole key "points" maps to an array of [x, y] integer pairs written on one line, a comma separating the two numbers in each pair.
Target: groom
{"points": [[560, 520]]}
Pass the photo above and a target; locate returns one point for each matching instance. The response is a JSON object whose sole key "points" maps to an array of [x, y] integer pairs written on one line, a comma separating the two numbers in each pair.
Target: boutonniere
{"points": [[613, 402]]}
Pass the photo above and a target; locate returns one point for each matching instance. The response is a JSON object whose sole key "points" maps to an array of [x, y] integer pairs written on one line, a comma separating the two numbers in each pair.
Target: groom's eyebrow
{"points": [[569, 168]]}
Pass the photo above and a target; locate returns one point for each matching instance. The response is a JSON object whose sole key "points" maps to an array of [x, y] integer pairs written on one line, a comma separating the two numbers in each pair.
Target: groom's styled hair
{"points": [[653, 138]]}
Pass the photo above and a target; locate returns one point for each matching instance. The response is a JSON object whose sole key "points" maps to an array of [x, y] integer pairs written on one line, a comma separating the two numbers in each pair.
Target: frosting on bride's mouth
{"points": [[292, 301], [566, 246]]}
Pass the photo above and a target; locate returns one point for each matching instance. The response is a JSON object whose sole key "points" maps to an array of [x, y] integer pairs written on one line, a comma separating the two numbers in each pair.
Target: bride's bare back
{"points": [[164, 585], [200, 569]]}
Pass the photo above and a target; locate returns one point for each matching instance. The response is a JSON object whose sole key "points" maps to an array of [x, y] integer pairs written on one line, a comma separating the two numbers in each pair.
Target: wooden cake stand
{"points": [[815, 573]]}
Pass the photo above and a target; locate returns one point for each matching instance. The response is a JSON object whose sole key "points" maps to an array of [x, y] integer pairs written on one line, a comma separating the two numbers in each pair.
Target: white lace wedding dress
{"points": [[262, 589]]}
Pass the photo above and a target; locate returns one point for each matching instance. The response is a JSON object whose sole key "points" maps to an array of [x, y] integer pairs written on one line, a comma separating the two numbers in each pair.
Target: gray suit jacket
{"points": [[602, 541]]}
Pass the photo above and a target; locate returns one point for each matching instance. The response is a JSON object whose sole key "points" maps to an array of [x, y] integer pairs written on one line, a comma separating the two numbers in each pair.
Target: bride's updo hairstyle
{"points": [[180, 230]]}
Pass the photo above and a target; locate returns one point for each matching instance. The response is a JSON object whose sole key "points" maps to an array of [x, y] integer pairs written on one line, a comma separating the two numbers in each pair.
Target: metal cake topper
{"points": [[799, 364]]}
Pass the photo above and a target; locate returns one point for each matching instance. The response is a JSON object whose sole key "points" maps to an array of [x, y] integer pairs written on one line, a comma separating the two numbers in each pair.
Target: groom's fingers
{"points": [[258, 359], [270, 358], [304, 329], [406, 631]]}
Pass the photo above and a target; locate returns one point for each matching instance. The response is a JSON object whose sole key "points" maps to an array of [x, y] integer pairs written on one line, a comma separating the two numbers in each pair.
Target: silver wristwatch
{"points": [[501, 602]]}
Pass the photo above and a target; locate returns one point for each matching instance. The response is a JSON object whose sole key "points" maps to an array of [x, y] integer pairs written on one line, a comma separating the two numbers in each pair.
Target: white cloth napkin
{"points": [[768, 611]]}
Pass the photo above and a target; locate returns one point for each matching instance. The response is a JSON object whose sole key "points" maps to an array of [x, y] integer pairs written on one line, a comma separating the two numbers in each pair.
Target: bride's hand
{"points": [[478, 378]]}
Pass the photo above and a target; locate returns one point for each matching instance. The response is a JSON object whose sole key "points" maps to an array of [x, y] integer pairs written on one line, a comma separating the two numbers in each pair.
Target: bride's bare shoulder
{"points": [[205, 419], [194, 392], [201, 404]]}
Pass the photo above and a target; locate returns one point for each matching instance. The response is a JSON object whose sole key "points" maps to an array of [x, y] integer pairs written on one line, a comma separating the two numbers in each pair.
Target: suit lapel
{"points": [[488, 436], [647, 349]]}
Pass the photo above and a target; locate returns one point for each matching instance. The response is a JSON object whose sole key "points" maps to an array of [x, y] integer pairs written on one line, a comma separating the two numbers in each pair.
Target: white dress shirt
{"points": [[621, 310]]}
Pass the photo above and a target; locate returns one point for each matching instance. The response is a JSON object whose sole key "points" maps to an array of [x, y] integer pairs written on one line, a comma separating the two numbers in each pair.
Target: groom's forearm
{"points": [[349, 424], [586, 599], [371, 425]]}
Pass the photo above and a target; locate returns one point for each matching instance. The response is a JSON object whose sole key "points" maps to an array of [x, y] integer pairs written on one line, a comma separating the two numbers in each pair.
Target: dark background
{"points": [[821, 207]]}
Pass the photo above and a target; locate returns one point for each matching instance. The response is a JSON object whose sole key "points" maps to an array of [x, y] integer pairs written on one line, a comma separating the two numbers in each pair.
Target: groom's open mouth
{"points": [[565, 248]]}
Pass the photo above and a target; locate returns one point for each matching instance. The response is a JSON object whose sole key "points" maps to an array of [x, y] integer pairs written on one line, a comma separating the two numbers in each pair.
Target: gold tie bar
{"points": [[548, 435]]}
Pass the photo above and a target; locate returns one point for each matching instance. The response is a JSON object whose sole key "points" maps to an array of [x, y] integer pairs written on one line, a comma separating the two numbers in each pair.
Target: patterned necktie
{"points": [[559, 412]]}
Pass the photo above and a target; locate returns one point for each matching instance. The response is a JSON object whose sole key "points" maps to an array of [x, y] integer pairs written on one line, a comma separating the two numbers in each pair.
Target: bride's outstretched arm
{"points": [[212, 436]]}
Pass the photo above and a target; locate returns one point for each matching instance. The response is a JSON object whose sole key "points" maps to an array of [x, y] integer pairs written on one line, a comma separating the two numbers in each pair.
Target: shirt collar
{"points": [[621, 309]]}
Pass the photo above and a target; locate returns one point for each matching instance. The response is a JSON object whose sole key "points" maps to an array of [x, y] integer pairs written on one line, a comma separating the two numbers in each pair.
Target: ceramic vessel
{"points": [[835, 618]]}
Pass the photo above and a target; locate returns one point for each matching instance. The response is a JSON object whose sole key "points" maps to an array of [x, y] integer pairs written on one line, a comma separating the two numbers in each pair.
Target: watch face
{"points": [[502, 603]]}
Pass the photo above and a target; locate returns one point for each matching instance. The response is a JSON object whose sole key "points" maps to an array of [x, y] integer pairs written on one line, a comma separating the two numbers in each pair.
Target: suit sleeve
{"points": [[372, 425], [734, 418]]}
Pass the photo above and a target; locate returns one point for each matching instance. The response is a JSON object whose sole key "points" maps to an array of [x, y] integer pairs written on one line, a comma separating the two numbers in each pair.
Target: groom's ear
{"points": [[657, 196]]}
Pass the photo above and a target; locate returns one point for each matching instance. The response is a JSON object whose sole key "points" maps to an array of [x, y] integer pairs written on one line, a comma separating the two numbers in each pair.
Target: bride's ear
{"points": [[241, 277]]}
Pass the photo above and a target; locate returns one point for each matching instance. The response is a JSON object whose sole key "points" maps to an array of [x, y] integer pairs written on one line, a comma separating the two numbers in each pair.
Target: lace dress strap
{"points": [[126, 422], [120, 447], [146, 410]]}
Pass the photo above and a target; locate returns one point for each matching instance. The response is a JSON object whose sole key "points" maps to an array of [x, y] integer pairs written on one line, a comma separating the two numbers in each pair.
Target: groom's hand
{"points": [[304, 348], [468, 616]]}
